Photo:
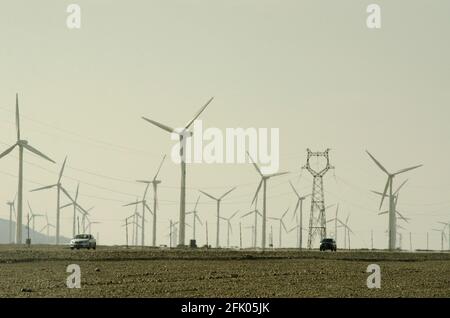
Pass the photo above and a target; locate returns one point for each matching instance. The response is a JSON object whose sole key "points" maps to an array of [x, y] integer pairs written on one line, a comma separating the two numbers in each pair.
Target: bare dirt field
{"points": [[40, 271]]}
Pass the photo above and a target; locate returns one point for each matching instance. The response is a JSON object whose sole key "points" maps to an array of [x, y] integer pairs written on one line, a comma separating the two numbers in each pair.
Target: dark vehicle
{"points": [[328, 244], [83, 241]]}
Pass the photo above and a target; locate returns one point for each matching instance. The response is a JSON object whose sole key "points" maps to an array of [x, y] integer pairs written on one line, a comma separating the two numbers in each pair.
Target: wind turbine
{"points": [[282, 225], [58, 187], [389, 185], [396, 195], [21, 144], [76, 207], [12, 210], [252, 227], [89, 225], [255, 226], [263, 182], [336, 220], [195, 218], [442, 237], [47, 226], [447, 224], [126, 228], [297, 206], [155, 183], [347, 231], [229, 227], [33, 216], [183, 135], [144, 208], [218, 200]]}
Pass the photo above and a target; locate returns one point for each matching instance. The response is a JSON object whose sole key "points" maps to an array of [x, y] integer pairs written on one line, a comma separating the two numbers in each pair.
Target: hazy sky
{"points": [[311, 68]]}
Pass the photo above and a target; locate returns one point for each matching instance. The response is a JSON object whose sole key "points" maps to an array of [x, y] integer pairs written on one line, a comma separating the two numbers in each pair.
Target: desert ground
{"points": [[40, 271]]}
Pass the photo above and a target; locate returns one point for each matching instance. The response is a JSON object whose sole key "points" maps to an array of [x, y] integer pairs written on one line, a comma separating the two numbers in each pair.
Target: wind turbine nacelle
{"points": [[22, 142]]}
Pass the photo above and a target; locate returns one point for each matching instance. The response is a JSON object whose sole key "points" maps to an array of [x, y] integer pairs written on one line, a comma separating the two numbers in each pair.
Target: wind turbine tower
{"points": [[317, 218]]}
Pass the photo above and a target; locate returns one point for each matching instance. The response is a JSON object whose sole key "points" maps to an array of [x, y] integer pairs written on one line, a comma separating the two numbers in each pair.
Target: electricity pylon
{"points": [[317, 218]]}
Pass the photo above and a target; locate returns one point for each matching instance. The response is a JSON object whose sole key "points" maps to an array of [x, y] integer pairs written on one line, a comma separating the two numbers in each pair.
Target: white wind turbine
{"points": [[256, 213], [336, 220], [347, 231], [33, 217], [47, 227], [195, 219], [447, 224], [58, 187], [229, 227], [263, 182], [296, 227], [297, 206], [282, 226], [442, 232], [218, 200], [155, 183], [12, 211], [21, 144], [396, 195], [144, 208], [76, 207], [183, 135], [389, 185]]}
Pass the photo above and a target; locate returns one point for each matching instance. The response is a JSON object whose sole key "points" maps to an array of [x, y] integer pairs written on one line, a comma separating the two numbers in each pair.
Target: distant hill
{"points": [[36, 237]]}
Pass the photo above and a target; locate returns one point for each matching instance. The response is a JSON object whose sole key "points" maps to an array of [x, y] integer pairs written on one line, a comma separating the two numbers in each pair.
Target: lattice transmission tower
{"points": [[317, 218]]}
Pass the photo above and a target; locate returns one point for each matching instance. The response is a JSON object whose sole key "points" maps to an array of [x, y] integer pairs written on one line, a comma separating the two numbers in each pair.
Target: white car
{"points": [[83, 241]]}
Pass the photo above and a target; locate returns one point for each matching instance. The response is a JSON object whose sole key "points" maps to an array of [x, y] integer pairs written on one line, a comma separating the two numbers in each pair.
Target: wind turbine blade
{"points": [[398, 189], [221, 217], [159, 168], [246, 214], [208, 195], [17, 117], [37, 152], [199, 220], [284, 214], [272, 218], [66, 205], [255, 165], [226, 193], [277, 174], [377, 163], [385, 191], [62, 170], [133, 203], [7, 151], [257, 191], [67, 194], [196, 203], [198, 113], [295, 210], [43, 188], [284, 226], [293, 188], [144, 181], [76, 193], [376, 192], [407, 169], [162, 126], [402, 217], [385, 212], [148, 208], [233, 215], [145, 192], [231, 228], [258, 213]]}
